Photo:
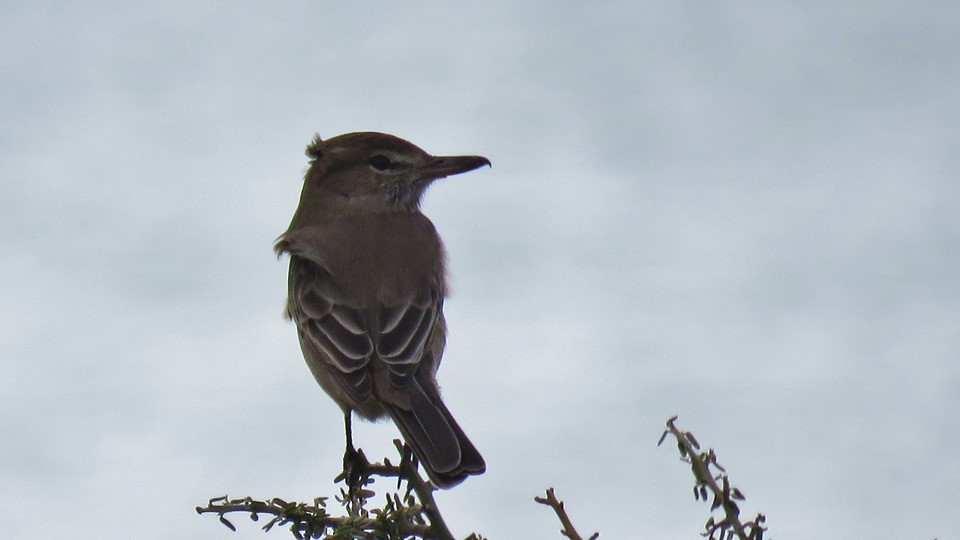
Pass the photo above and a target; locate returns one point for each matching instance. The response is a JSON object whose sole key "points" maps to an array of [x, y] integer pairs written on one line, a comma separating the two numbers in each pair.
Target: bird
{"points": [[365, 290]]}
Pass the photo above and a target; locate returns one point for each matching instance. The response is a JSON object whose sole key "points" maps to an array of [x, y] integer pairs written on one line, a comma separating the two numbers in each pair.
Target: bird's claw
{"points": [[355, 467]]}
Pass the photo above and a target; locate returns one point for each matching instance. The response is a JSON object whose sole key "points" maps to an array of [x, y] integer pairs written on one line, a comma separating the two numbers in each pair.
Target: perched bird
{"points": [[366, 288]]}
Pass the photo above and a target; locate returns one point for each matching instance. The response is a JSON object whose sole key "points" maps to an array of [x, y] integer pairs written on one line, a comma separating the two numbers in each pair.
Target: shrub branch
{"points": [[711, 479]]}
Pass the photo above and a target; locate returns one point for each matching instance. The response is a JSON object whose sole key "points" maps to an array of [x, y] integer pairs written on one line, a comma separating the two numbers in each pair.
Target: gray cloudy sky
{"points": [[744, 213]]}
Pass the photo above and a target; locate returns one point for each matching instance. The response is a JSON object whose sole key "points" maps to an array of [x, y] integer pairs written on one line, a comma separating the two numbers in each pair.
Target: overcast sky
{"points": [[744, 213]]}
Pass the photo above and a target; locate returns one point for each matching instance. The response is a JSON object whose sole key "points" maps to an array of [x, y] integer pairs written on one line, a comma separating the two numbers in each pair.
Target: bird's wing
{"points": [[405, 333], [407, 341], [341, 336], [334, 333]]}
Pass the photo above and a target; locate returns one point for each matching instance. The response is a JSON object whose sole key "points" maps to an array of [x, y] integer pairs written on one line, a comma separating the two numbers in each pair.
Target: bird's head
{"points": [[378, 171]]}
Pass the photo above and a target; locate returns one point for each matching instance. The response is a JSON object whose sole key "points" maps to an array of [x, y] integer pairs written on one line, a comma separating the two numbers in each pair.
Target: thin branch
{"points": [[724, 495], [400, 517], [568, 530], [424, 491], [306, 521]]}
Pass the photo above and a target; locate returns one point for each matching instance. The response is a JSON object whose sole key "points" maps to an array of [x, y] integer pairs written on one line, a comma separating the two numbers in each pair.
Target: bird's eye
{"points": [[381, 162]]}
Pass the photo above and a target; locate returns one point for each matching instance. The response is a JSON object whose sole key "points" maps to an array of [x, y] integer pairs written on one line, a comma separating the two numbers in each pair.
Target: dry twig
{"points": [[568, 530]]}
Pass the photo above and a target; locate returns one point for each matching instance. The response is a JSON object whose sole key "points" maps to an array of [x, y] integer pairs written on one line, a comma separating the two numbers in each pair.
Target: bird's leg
{"points": [[348, 432], [354, 462]]}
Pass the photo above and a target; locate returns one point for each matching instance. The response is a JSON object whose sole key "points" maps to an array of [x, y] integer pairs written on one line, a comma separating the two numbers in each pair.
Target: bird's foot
{"points": [[355, 469]]}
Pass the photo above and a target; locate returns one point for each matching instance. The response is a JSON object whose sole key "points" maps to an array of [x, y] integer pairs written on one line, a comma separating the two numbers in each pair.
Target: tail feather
{"points": [[435, 437]]}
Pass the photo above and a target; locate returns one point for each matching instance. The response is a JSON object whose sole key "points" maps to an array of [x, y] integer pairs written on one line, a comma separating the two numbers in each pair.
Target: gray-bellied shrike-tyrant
{"points": [[366, 289]]}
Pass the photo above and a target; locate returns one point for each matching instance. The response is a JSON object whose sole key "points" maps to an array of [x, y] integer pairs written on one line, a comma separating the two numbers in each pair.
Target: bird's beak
{"points": [[443, 166]]}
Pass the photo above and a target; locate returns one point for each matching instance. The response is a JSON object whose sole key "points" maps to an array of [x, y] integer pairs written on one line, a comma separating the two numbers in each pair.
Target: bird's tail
{"points": [[435, 437]]}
